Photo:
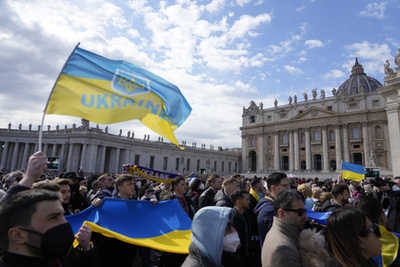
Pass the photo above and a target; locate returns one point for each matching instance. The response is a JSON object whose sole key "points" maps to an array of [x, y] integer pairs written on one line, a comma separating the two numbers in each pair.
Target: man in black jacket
{"points": [[207, 197], [223, 197], [34, 232], [340, 199], [242, 224]]}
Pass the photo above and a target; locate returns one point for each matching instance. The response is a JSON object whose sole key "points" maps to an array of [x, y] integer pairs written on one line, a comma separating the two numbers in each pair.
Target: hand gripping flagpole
{"points": [[48, 100]]}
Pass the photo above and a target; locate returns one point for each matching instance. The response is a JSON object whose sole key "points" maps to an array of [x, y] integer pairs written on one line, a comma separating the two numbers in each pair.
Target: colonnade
{"points": [[332, 139]]}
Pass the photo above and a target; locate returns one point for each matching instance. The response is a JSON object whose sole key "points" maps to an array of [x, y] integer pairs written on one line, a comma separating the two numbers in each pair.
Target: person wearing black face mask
{"points": [[34, 232], [77, 202]]}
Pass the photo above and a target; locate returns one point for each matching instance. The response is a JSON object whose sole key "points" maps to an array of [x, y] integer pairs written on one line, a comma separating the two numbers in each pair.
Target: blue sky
{"points": [[222, 54]]}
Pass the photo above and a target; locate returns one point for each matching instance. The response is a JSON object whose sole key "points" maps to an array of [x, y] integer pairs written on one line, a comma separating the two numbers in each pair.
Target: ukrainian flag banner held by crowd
{"points": [[158, 176], [164, 226], [353, 172], [107, 91]]}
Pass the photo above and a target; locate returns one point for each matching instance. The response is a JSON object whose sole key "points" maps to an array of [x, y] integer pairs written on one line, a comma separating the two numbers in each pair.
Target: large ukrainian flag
{"points": [[164, 226], [353, 172], [109, 91]]}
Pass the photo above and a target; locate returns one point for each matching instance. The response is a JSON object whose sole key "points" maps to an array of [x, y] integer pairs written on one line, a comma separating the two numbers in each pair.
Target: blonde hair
{"points": [[316, 192], [305, 190]]}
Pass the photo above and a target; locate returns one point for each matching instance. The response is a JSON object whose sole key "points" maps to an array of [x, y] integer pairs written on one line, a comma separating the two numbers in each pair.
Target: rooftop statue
{"points": [[388, 69], [397, 58], [305, 97]]}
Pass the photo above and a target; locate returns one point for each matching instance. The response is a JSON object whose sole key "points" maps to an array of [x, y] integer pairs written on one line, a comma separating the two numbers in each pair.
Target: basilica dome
{"points": [[359, 82]]}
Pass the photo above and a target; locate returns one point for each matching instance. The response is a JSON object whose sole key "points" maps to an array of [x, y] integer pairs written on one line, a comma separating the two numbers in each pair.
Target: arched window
{"points": [[302, 138], [378, 132], [284, 139], [331, 136], [317, 136], [356, 133]]}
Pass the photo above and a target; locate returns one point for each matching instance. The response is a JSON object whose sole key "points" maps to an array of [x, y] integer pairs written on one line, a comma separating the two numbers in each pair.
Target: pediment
{"points": [[315, 112]]}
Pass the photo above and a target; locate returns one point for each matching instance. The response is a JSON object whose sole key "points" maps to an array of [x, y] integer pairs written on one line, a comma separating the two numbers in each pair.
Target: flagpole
{"points": [[48, 100]]}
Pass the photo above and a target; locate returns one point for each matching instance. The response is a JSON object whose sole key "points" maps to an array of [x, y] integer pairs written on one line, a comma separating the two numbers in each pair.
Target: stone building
{"points": [[318, 133], [96, 150]]}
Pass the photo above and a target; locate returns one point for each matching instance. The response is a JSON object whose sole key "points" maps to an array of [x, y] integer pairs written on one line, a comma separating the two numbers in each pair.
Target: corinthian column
{"points": [[276, 151], [296, 149], [308, 150]]}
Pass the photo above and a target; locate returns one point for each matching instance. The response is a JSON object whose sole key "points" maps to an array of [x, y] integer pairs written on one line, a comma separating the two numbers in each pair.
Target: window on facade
{"points": [[284, 139], [356, 133], [300, 111], [198, 164], [329, 108], [252, 119], [282, 115], [303, 165], [332, 165], [215, 165], [332, 147], [317, 136], [151, 162], [331, 136], [375, 103], [222, 166], [302, 138], [229, 166], [353, 106], [252, 142], [137, 159], [165, 164], [378, 132], [269, 118], [177, 164], [188, 164]]}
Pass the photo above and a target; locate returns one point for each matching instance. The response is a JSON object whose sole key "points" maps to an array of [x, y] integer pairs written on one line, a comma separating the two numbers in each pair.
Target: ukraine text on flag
{"points": [[353, 172], [164, 226], [109, 91]]}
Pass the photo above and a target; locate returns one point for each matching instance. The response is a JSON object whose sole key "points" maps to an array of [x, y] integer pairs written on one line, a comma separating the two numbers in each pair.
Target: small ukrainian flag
{"points": [[353, 172]]}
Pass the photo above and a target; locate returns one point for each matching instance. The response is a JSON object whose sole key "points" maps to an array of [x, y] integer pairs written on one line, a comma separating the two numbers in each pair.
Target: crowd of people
{"points": [[237, 221]]}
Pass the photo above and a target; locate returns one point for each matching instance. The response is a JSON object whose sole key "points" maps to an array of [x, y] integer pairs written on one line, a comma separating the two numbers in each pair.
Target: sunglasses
{"points": [[300, 212], [374, 229]]}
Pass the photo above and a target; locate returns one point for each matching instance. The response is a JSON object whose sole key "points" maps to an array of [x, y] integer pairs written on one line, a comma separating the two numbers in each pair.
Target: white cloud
{"points": [[247, 23], [371, 56], [285, 47], [301, 8], [293, 70], [215, 5], [334, 74], [259, 2], [374, 10], [242, 2], [313, 43], [302, 59]]}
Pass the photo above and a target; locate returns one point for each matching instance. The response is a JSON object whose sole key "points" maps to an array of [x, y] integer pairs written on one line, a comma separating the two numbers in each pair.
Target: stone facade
{"points": [[317, 134], [97, 151]]}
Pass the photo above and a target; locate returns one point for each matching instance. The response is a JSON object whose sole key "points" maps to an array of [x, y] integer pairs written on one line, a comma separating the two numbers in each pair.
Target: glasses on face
{"points": [[300, 212], [373, 229]]}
